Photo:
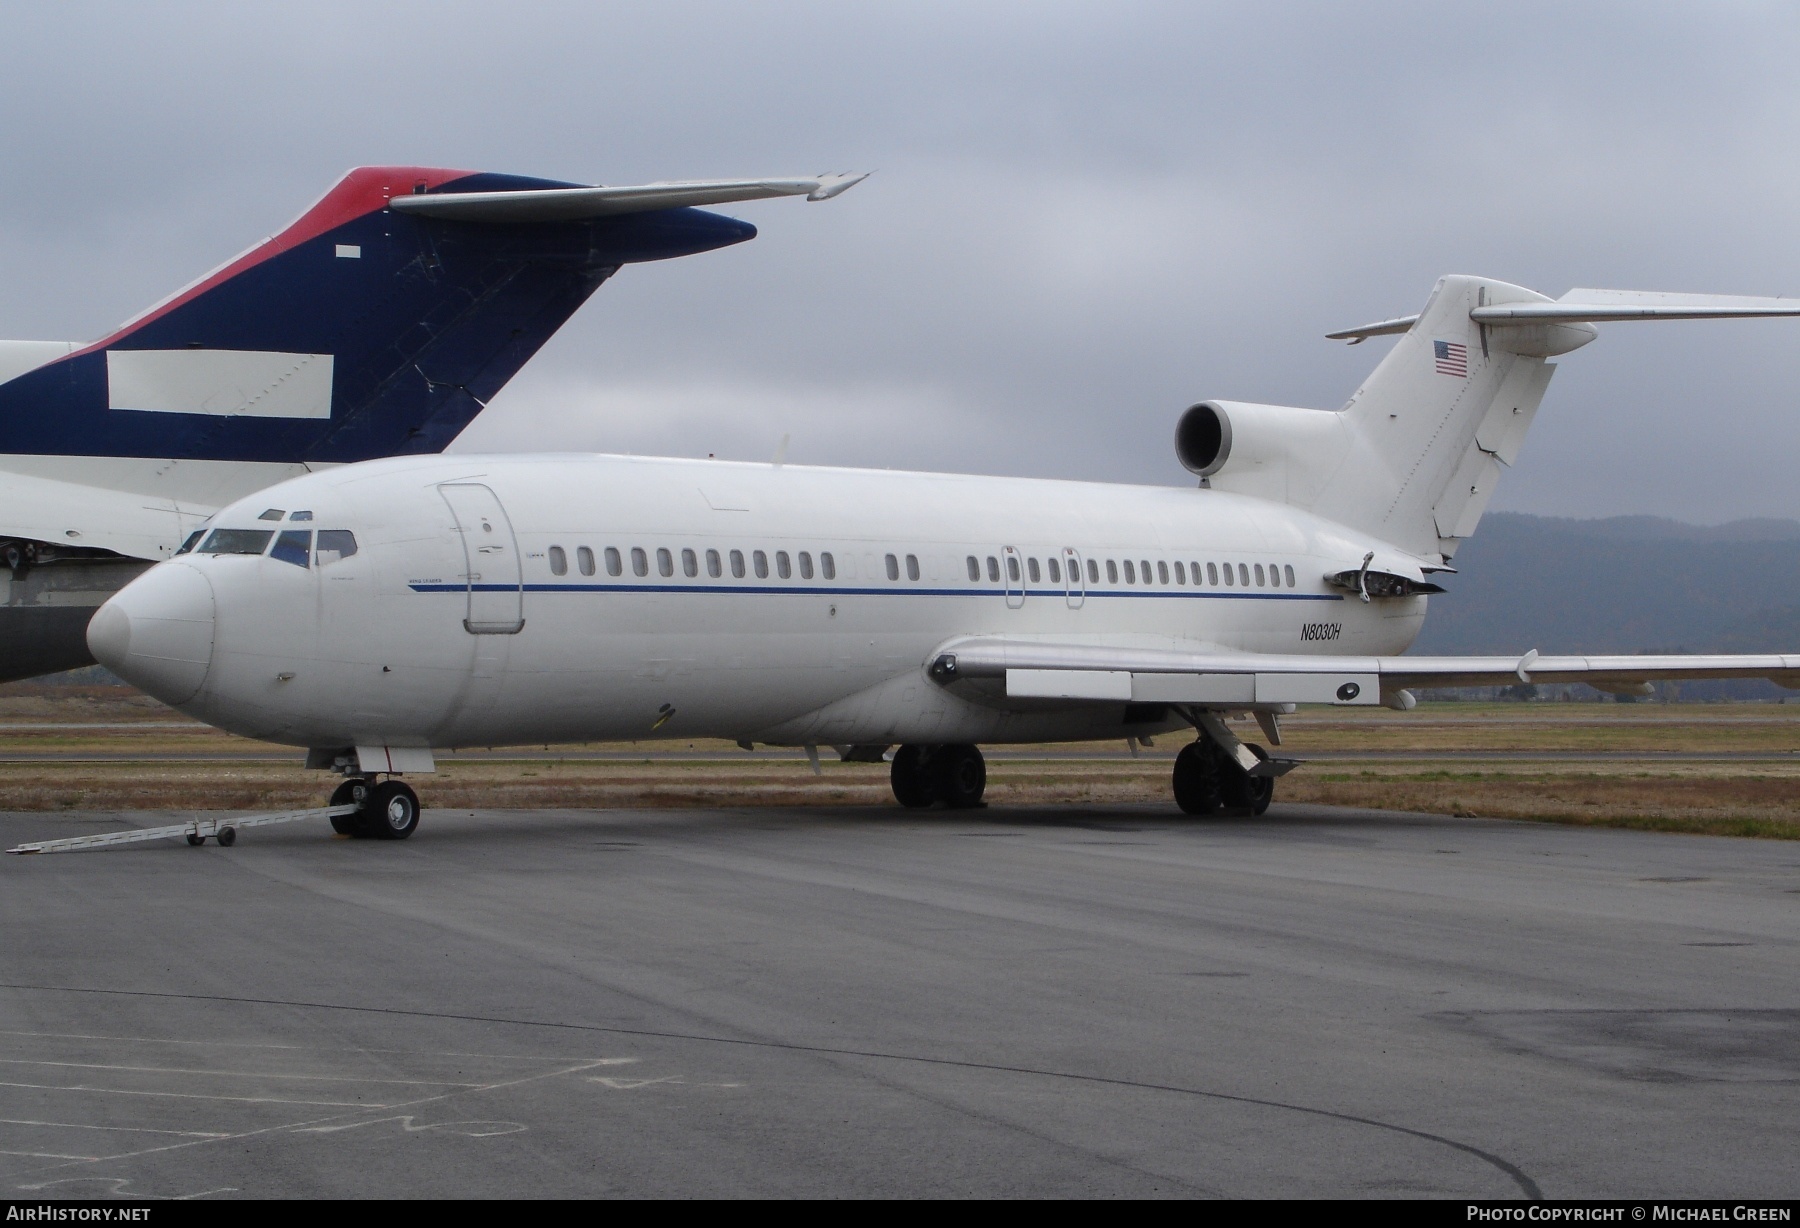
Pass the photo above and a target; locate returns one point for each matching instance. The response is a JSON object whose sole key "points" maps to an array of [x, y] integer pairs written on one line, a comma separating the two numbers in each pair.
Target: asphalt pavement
{"points": [[866, 1002]]}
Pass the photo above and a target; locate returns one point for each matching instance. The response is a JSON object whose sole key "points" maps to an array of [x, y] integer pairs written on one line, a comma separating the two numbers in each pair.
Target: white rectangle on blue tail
{"points": [[223, 383]]}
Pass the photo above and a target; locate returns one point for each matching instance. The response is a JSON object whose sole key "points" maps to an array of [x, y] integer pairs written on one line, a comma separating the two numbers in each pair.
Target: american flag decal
{"points": [[1452, 358]]}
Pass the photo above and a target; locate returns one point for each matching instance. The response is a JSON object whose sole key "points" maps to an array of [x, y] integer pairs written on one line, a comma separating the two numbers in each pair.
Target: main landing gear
{"points": [[953, 776], [386, 811], [1210, 782], [1218, 774]]}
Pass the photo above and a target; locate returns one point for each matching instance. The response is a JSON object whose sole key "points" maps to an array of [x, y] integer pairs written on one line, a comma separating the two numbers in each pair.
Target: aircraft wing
{"points": [[1039, 669], [571, 204]]}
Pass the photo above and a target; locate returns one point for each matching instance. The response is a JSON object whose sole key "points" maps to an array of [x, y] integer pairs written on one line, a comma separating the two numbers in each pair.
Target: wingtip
{"points": [[836, 185]]}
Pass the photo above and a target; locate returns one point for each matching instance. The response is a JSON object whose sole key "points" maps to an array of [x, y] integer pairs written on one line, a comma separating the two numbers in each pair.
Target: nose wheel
{"points": [[385, 811]]}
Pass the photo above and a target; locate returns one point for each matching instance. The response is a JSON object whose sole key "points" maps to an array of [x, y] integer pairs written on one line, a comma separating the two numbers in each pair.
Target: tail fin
{"points": [[361, 330], [1443, 413], [1416, 454]]}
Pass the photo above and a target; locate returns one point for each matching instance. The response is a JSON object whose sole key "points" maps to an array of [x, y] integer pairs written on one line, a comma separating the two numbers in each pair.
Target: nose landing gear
{"points": [[954, 776], [385, 811]]}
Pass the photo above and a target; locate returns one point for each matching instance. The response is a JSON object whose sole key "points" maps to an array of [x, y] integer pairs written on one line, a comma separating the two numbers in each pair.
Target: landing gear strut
{"points": [[386, 811], [954, 776]]}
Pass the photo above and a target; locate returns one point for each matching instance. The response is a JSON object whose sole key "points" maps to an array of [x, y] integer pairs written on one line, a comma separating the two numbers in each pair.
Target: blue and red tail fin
{"points": [[359, 331]]}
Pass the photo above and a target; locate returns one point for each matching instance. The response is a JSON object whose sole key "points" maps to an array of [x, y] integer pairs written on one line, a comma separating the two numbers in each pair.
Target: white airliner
{"points": [[379, 610]]}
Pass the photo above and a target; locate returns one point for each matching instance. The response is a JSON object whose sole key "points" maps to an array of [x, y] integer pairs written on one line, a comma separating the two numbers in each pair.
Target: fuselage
{"points": [[518, 599]]}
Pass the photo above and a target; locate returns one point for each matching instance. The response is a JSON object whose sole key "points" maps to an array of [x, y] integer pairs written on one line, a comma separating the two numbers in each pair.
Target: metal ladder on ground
{"points": [[223, 829]]}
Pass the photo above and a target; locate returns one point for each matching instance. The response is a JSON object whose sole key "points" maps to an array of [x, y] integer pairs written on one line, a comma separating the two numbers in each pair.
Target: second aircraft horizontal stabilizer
{"points": [[573, 204], [1586, 306]]}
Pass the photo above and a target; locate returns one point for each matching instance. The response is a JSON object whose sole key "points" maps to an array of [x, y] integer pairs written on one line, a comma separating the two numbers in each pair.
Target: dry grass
{"points": [[145, 757]]}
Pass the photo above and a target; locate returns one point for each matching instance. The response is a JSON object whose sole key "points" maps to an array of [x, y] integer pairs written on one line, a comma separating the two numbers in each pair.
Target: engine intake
{"points": [[1203, 438]]}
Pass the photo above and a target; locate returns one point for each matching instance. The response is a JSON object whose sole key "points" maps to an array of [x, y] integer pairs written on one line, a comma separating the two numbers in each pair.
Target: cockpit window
{"points": [[193, 539], [293, 546], [299, 515], [335, 544], [273, 513], [237, 541]]}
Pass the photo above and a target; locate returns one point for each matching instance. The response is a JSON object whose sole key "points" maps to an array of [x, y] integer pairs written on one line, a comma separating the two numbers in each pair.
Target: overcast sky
{"points": [[1083, 217]]}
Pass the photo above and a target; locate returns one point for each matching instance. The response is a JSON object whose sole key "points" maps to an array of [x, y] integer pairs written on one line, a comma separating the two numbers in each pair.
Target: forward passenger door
{"points": [[495, 576]]}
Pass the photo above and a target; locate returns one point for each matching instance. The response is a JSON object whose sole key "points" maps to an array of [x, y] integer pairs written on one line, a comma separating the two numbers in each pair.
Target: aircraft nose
{"points": [[157, 632]]}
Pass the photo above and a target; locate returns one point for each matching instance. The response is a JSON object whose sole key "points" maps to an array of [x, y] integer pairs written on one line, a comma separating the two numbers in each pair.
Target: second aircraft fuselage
{"points": [[459, 600]]}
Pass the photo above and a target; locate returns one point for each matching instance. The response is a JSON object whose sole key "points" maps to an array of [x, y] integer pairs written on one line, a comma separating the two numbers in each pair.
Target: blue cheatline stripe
{"points": [[789, 591]]}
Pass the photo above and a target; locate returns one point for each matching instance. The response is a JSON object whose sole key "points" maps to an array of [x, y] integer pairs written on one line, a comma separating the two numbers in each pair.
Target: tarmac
{"points": [[862, 1002]]}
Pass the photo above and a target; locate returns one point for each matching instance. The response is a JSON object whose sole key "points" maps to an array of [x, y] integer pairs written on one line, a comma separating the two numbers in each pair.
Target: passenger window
{"points": [[613, 566], [1031, 569], [559, 562], [737, 564], [1130, 573], [893, 567], [1145, 566], [193, 539], [1212, 573], [993, 570], [293, 546], [640, 562], [334, 544], [762, 564], [912, 567], [584, 559], [1180, 573], [827, 565], [974, 570], [1244, 574], [783, 567], [665, 562], [1230, 576], [1162, 572], [1055, 571], [1012, 568], [1290, 574], [1259, 575], [690, 564], [1112, 572], [712, 564], [1093, 572], [806, 571], [237, 541]]}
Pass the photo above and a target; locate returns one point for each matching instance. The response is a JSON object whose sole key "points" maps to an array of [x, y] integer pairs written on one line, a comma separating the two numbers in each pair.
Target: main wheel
{"points": [[957, 776], [911, 788], [1243, 792], [392, 811], [352, 792], [1197, 778]]}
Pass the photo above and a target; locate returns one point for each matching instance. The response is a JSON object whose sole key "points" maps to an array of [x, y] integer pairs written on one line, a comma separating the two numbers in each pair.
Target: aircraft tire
{"points": [[908, 777], [353, 792], [957, 776], [1242, 792], [1196, 779], [392, 811]]}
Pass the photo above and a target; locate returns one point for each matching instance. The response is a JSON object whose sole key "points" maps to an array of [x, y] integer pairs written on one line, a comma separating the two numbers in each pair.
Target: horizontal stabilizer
{"points": [[576, 203], [1597, 307], [1600, 306]]}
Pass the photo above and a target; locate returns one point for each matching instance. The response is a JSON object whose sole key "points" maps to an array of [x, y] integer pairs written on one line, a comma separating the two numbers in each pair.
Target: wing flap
{"points": [[1039, 669]]}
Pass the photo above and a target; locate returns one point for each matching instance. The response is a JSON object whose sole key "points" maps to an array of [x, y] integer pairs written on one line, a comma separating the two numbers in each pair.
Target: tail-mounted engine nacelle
{"points": [[1277, 451]]}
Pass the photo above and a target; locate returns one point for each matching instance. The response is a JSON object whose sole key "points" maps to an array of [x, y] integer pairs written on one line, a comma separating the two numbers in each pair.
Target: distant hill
{"points": [[1625, 584]]}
